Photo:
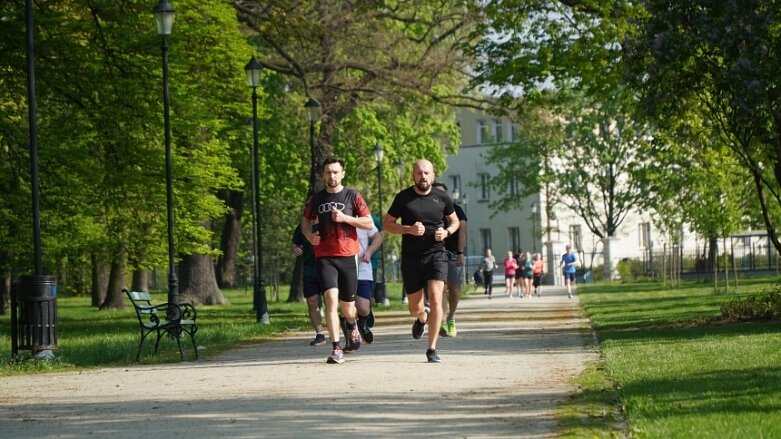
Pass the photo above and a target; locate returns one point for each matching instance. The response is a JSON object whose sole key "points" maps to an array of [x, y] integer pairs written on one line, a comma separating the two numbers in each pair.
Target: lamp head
{"points": [[312, 110], [253, 69], [164, 16]]}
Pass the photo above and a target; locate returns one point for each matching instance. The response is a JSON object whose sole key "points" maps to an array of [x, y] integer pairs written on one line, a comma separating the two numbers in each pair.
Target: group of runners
{"points": [[337, 237]]}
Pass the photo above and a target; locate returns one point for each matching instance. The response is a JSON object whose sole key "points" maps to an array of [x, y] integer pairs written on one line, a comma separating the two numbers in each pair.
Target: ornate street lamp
{"points": [[534, 227], [378, 155], [400, 170], [164, 17], [253, 69], [312, 115]]}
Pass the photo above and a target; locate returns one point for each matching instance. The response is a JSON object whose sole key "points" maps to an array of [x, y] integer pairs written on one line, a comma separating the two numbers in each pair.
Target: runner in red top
{"points": [[337, 211]]}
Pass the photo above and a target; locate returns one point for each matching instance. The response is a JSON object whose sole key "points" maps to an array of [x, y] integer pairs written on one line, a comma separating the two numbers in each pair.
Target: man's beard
{"points": [[332, 183], [422, 186]]}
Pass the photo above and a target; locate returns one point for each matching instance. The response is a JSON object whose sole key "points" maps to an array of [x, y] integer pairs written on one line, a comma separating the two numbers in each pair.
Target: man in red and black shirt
{"points": [[337, 211]]}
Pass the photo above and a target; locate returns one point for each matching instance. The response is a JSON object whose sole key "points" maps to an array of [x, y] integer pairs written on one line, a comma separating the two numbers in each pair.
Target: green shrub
{"points": [[763, 306], [625, 270]]}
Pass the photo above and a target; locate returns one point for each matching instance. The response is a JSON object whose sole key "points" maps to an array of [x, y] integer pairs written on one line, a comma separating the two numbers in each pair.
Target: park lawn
{"points": [[679, 372], [90, 338]]}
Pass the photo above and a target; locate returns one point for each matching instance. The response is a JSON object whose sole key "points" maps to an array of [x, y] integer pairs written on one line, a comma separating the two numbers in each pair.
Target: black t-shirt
{"points": [[430, 210], [451, 242]]}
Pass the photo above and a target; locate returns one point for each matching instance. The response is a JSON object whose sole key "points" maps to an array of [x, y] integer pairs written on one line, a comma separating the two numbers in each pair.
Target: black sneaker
{"points": [[319, 339], [370, 319], [417, 329], [348, 347], [366, 333], [432, 357]]}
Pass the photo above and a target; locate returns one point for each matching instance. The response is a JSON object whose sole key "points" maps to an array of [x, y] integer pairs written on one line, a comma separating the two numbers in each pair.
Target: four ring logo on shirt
{"points": [[327, 207]]}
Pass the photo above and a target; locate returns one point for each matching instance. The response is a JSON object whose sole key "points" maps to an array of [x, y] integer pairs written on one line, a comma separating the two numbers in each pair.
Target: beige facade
{"points": [[528, 228]]}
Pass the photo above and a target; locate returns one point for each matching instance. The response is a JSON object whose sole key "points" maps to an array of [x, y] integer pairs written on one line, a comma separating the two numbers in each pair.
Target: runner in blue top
{"points": [[569, 262]]}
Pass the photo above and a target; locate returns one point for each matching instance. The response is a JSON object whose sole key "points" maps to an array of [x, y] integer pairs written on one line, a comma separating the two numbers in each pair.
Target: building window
{"points": [[485, 187], [515, 239], [576, 237], [483, 135], [455, 183], [498, 131], [645, 235], [512, 186], [485, 236], [514, 134]]}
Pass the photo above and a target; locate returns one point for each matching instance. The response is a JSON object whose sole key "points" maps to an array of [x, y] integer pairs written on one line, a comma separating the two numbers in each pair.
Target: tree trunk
{"points": [[297, 281], [100, 276], [5, 291], [140, 280], [115, 299], [231, 238], [197, 283]]}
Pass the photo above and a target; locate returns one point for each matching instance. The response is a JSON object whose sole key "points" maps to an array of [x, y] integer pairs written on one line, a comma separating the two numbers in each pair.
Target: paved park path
{"points": [[501, 377]]}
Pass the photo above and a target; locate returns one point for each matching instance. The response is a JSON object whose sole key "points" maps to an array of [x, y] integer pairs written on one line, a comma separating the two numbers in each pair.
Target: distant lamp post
{"points": [[164, 17], [253, 69], [378, 155], [463, 200], [534, 227], [400, 170], [312, 115]]}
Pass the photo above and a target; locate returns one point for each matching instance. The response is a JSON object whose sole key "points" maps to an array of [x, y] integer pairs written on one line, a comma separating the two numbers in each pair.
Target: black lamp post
{"points": [[164, 16], [312, 115], [378, 155], [400, 170], [253, 69], [463, 201], [534, 227]]}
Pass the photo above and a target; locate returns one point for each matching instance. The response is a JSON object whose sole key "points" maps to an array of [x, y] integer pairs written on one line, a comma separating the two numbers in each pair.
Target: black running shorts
{"points": [[417, 270], [339, 272]]}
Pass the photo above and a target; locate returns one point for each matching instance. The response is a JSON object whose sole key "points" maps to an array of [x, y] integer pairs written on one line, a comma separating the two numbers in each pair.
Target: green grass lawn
{"points": [[91, 338], [678, 372]]}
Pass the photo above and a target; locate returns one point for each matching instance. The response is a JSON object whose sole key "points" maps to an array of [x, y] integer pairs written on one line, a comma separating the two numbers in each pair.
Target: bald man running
{"points": [[424, 259]]}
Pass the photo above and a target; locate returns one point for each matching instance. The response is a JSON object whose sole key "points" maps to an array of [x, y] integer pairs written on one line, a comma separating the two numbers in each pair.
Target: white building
{"points": [[528, 228]]}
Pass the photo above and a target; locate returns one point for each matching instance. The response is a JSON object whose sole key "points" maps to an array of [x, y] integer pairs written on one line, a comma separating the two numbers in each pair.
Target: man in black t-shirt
{"points": [[454, 244], [424, 260]]}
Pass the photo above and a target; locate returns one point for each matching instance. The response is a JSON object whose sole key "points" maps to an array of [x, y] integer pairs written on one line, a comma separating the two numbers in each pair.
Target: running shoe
{"points": [[418, 326], [319, 339], [417, 329], [443, 331], [569, 295], [431, 356], [355, 338], [337, 357], [348, 347], [366, 333], [451, 327], [370, 319]]}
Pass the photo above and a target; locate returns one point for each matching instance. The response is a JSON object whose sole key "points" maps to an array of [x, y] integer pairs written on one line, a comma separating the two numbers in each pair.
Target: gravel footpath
{"points": [[502, 376]]}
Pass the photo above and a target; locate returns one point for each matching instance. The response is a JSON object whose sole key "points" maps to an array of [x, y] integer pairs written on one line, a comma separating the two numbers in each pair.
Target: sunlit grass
{"points": [[678, 373]]}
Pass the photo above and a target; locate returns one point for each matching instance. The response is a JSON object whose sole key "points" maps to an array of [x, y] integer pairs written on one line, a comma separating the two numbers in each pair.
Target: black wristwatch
{"points": [[459, 253]]}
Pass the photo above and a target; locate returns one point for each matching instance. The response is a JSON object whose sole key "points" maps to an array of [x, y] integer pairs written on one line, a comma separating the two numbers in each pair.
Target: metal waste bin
{"points": [[38, 313]]}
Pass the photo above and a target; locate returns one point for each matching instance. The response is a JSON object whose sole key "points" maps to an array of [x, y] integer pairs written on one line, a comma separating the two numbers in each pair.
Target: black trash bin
{"points": [[38, 313]]}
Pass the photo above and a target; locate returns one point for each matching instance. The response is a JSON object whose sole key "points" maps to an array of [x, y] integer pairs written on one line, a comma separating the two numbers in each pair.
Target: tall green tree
{"points": [[100, 122], [721, 61], [345, 53]]}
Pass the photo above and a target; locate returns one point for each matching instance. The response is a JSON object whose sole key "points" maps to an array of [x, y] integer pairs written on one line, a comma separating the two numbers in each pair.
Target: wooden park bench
{"points": [[162, 319]]}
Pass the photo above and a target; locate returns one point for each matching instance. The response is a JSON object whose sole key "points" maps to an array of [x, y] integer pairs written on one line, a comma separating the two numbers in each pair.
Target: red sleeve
{"points": [[361, 208], [308, 212]]}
